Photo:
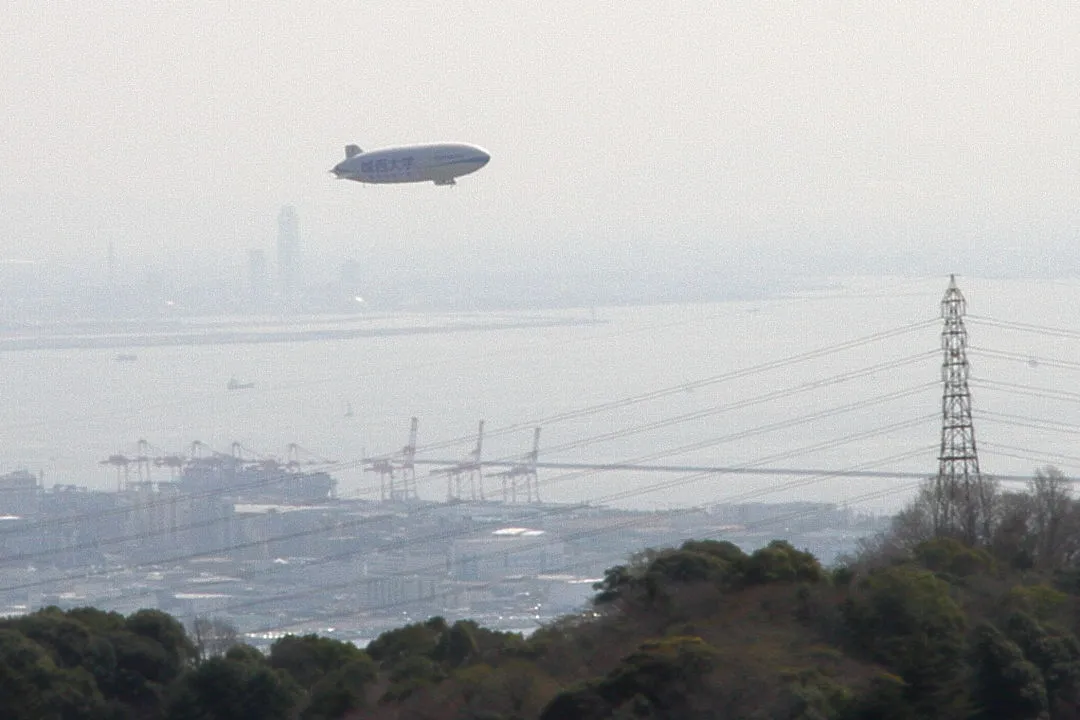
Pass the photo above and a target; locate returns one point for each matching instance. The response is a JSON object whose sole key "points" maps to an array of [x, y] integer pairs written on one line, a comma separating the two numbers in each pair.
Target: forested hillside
{"points": [[968, 608]]}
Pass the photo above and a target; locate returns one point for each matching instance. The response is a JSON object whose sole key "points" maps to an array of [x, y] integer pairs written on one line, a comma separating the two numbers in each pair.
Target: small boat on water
{"points": [[235, 384], [126, 358]]}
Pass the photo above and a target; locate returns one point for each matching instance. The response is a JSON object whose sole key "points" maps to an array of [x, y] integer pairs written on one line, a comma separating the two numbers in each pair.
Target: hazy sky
{"points": [[940, 136]]}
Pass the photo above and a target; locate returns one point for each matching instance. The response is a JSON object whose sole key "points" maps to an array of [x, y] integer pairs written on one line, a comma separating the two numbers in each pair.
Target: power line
{"points": [[587, 533], [1025, 327], [1044, 456], [308, 533], [1033, 423], [99, 543], [1019, 357], [622, 495], [742, 404], [575, 536], [556, 510], [579, 413], [1015, 455], [726, 469], [741, 373], [671, 421], [723, 377], [1027, 390]]}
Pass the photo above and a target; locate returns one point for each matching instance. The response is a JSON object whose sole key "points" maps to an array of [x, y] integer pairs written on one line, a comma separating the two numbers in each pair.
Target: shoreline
{"points": [[214, 337]]}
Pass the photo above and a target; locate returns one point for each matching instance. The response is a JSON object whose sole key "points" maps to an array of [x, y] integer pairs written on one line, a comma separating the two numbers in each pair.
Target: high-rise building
{"points": [[288, 249]]}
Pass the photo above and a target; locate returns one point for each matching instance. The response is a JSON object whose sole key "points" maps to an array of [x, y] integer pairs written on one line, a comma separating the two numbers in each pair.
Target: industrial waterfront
{"points": [[494, 475], [267, 547], [71, 408]]}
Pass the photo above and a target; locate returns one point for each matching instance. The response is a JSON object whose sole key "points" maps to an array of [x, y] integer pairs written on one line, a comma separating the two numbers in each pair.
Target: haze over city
{"points": [[749, 275], [633, 139]]}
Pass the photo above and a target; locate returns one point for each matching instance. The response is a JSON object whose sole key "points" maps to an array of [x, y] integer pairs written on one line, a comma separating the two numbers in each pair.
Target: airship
{"points": [[439, 163]]}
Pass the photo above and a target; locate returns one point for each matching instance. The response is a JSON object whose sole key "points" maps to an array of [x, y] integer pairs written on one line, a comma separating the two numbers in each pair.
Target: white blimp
{"points": [[439, 163]]}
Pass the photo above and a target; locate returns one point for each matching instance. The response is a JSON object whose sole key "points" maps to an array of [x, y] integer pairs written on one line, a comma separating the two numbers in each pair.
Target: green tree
{"points": [[97, 621], [411, 673], [1056, 653], [1040, 601], [143, 670], [225, 689], [309, 658], [720, 549], [905, 618], [241, 652], [342, 691], [1007, 687], [652, 573], [686, 566], [33, 687], [886, 698], [457, 645], [72, 645], [26, 674], [169, 634], [403, 642], [512, 689], [67, 640], [948, 555], [810, 695], [780, 562], [657, 680], [616, 580]]}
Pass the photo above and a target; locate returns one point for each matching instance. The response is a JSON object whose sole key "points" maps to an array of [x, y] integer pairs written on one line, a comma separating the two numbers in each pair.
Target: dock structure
{"points": [[465, 474], [397, 471], [301, 478], [522, 475]]}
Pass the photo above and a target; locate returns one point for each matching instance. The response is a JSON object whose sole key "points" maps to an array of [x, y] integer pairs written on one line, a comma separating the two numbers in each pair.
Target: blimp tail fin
{"points": [[352, 151]]}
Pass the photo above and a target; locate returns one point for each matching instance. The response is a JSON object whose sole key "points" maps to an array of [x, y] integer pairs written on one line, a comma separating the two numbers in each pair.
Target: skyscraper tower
{"points": [[959, 482], [288, 248]]}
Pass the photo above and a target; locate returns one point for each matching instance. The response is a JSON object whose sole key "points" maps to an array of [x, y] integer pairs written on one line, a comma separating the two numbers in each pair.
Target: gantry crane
{"points": [[526, 469]]}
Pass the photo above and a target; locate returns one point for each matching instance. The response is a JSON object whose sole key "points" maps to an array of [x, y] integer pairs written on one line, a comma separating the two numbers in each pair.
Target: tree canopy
{"points": [[939, 619]]}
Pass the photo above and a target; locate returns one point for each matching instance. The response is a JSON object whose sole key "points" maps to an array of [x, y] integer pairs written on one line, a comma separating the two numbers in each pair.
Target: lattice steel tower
{"points": [[958, 478]]}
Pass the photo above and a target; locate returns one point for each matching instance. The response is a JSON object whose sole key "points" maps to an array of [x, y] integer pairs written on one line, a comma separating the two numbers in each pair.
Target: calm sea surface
{"points": [[710, 384]]}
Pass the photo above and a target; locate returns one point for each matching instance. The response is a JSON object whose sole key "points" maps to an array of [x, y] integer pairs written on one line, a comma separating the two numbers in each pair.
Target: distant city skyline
{"points": [[288, 269], [919, 137], [247, 284], [107, 285]]}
